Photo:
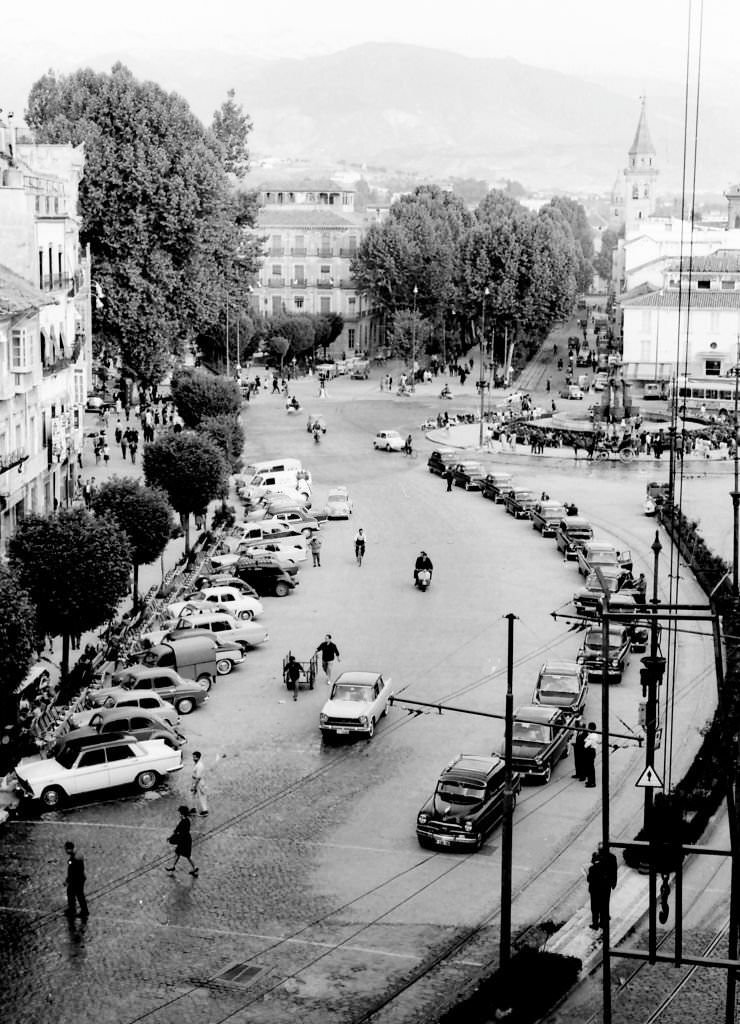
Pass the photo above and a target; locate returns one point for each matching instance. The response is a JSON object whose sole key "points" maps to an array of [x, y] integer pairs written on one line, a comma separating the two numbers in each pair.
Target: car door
{"points": [[89, 772], [163, 684], [122, 764]]}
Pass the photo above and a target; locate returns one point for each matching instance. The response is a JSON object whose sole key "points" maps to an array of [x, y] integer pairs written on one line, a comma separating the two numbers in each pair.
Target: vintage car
{"points": [[467, 803], [94, 762], [546, 515], [597, 553], [221, 626], [210, 599], [267, 578], [561, 684], [540, 740], [519, 501], [496, 486], [139, 700], [184, 694], [338, 504], [588, 599], [571, 391], [388, 441], [441, 460], [142, 725], [571, 533], [468, 475], [357, 701], [300, 520], [590, 654]]}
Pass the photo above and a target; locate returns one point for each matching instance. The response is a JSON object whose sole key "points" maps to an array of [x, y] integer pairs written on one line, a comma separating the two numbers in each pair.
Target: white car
{"points": [[356, 702], [222, 625], [210, 599], [96, 762], [272, 532], [338, 504], [389, 441], [150, 702]]}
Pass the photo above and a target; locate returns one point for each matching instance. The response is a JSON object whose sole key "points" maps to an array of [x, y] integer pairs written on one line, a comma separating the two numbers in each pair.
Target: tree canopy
{"points": [[231, 127], [75, 567], [144, 515], [227, 434], [18, 638], [189, 467], [198, 394], [156, 207]]}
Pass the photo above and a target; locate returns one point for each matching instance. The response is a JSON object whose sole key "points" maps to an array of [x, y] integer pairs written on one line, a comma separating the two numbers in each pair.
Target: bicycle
{"points": [[410, 452], [359, 551]]}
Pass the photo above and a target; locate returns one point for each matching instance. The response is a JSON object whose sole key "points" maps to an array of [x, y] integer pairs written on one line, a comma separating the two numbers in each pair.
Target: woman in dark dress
{"points": [[182, 840]]}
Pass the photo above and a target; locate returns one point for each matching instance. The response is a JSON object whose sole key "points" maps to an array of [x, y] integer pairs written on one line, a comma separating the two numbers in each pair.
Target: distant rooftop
{"points": [[18, 295], [690, 299], [302, 217], [306, 185], [724, 261]]}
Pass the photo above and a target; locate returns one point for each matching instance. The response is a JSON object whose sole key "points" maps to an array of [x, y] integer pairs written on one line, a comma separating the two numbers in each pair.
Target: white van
{"points": [[274, 466]]}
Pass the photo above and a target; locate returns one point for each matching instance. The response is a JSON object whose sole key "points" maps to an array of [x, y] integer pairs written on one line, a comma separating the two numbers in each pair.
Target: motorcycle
{"points": [[423, 579], [446, 393], [317, 436], [292, 406]]}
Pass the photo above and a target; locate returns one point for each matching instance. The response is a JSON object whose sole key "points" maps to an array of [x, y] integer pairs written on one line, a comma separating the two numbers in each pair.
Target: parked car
{"points": [[546, 515], [389, 441], [257, 532], [98, 401], [496, 486], [338, 504], [96, 762], [222, 598], [299, 520], [221, 626], [571, 533], [591, 658], [192, 657], [467, 803], [519, 501], [142, 725], [588, 599], [294, 544], [539, 740], [357, 701], [441, 460], [268, 579], [468, 475], [571, 391], [360, 370], [597, 553], [258, 557], [600, 381], [184, 694], [130, 700], [224, 579], [561, 684]]}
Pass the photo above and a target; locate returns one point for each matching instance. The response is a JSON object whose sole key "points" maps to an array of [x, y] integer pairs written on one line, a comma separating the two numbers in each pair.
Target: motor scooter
{"points": [[423, 579]]}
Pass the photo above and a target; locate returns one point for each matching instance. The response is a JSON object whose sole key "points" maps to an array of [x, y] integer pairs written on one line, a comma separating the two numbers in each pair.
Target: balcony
{"points": [[299, 282], [346, 282], [276, 282], [348, 254], [325, 254], [276, 251], [299, 252], [325, 282], [10, 460], [56, 282]]}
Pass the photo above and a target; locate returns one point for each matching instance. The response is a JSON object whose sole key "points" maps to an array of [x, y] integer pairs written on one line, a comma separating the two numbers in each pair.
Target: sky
{"points": [[632, 37]]}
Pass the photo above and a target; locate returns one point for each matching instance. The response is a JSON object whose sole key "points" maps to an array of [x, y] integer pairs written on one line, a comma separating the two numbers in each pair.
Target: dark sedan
{"points": [[268, 580], [439, 462], [540, 740], [496, 486], [519, 502], [468, 475], [561, 684]]}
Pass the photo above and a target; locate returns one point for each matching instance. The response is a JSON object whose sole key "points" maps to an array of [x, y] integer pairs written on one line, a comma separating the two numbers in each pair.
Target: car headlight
{"points": [[323, 719], [423, 819], [468, 826], [614, 663], [363, 719]]}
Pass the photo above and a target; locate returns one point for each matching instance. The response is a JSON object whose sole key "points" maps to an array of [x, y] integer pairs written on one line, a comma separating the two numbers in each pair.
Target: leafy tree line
{"points": [[434, 264], [158, 208]]}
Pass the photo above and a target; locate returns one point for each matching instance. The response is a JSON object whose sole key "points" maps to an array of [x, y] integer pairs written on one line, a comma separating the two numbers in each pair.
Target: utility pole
{"points": [[481, 378], [606, 968], [227, 335], [413, 344], [507, 830], [735, 493]]}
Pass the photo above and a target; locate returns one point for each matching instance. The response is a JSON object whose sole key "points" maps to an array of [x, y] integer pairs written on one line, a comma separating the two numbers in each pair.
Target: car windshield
{"points": [[593, 642], [593, 582], [559, 684], [67, 757], [602, 557], [459, 792], [336, 499], [346, 691], [529, 732]]}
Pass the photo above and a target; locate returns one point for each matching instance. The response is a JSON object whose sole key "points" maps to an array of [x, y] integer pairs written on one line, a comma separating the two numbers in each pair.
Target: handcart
{"points": [[302, 678]]}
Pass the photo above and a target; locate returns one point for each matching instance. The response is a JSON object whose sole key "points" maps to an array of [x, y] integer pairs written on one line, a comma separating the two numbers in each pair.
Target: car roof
{"points": [[577, 521], [561, 668], [600, 545], [537, 713], [473, 766], [550, 504], [358, 678], [89, 737]]}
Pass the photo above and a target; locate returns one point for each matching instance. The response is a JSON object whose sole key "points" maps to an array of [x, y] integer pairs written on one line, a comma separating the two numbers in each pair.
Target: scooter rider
{"points": [[423, 561]]}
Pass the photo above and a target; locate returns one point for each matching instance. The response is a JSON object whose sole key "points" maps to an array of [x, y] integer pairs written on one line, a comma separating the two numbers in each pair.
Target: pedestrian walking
{"points": [[198, 785], [315, 546], [579, 759], [75, 882], [293, 672], [118, 432], [329, 654], [133, 443], [598, 891], [449, 478], [641, 588], [590, 747], [124, 444], [547, 385], [106, 454], [182, 840], [360, 540]]}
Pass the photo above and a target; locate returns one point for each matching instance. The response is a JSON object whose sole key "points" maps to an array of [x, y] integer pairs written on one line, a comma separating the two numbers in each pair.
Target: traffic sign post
{"points": [[649, 779]]}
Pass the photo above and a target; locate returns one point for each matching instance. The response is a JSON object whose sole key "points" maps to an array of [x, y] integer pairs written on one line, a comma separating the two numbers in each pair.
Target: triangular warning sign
{"points": [[649, 779]]}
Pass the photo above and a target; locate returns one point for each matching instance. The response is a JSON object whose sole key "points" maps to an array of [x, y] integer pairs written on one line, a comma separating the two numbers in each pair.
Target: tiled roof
{"points": [[306, 185], [295, 217], [668, 299], [724, 261], [17, 295]]}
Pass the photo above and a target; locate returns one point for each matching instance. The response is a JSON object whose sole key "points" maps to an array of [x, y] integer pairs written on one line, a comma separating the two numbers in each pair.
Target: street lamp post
{"points": [[413, 344], [481, 378]]}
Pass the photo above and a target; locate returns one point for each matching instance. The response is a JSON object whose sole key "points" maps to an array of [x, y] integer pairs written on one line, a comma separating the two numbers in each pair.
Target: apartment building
{"points": [[45, 337], [311, 233]]}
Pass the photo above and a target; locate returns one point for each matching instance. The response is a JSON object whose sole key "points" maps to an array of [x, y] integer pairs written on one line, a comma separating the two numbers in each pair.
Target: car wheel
{"points": [[206, 680], [384, 712], [546, 776], [186, 611], [247, 615], [479, 837], [146, 780], [307, 532], [424, 843], [224, 666], [52, 796], [109, 702], [281, 589], [185, 706], [371, 729]]}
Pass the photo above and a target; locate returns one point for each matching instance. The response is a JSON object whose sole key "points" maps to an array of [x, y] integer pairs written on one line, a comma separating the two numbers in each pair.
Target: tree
{"points": [[575, 216], [408, 335], [18, 639], [227, 434], [189, 468], [198, 394], [144, 515], [76, 569], [231, 127], [156, 208], [604, 257], [279, 346], [328, 327]]}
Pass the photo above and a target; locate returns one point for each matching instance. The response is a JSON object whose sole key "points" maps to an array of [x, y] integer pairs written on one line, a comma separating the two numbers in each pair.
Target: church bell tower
{"points": [[640, 176]]}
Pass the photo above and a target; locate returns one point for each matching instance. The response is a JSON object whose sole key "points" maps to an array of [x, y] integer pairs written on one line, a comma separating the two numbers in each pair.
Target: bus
{"points": [[710, 395]]}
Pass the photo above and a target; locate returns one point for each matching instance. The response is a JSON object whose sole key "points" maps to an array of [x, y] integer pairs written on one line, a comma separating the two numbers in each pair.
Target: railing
{"points": [[276, 282], [299, 282], [348, 254], [346, 282], [9, 460], [324, 282], [277, 251], [55, 282], [299, 252], [326, 254]]}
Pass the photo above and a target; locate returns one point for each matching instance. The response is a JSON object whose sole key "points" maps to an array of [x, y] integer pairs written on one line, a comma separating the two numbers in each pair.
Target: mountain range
{"points": [[438, 114]]}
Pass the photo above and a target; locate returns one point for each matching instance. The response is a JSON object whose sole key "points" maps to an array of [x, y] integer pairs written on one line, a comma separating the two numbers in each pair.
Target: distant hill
{"points": [[439, 114]]}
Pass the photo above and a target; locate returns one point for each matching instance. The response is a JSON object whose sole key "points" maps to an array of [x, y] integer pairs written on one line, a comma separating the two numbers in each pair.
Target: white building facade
{"points": [[45, 339]]}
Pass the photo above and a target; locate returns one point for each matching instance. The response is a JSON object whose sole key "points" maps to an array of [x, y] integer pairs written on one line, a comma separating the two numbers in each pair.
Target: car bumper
{"points": [[596, 672], [345, 729], [532, 771], [446, 841]]}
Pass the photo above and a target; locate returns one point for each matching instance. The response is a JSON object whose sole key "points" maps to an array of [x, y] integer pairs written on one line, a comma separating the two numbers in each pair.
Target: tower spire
{"points": [[643, 144]]}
